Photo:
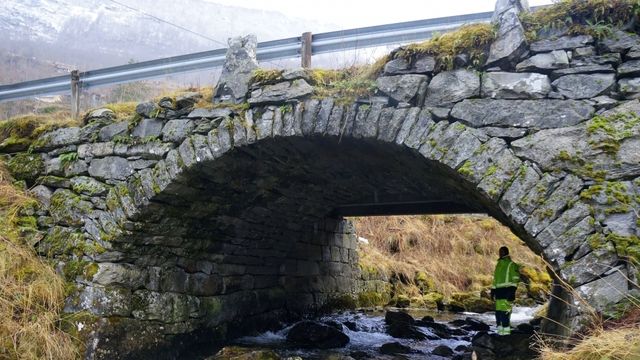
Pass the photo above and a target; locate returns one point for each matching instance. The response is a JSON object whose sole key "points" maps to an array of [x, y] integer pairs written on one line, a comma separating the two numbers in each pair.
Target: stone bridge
{"points": [[195, 223]]}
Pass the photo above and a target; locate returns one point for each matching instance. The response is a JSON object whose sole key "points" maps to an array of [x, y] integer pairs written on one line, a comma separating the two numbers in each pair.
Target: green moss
{"points": [[266, 76], [90, 271], [491, 170], [68, 158], [473, 39], [341, 302], [606, 132], [24, 166], [424, 282], [627, 246], [466, 169], [563, 155]]}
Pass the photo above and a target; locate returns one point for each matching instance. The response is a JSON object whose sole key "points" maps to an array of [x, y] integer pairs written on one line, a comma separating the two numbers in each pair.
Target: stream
{"points": [[366, 331]]}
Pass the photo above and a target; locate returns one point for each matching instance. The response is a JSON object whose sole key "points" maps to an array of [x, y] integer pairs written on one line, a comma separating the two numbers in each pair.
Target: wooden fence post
{"points": [[305, 50], [75, 94]]}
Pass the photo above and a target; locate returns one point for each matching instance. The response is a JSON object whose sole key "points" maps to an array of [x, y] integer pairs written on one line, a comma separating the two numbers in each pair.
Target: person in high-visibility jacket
{"points": [[505, 282]]}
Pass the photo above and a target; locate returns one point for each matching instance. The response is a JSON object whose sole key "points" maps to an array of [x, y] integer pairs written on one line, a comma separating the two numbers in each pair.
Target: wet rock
{"points": [[315, 335], [561, 43], [280, 92], [584, 86], [395, 348], [394, 317], [492, 346], [472, 324], [442, 350], [424, 64], [541, 114], [68, 208], [544, 62], [351, 325], [403, 88], [505, 85], [452, 86], [237, 70], [239, 353]]}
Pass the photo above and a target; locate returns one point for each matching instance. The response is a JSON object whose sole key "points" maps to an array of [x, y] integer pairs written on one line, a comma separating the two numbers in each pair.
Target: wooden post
{"points": [[305, 50], [75, 94]]}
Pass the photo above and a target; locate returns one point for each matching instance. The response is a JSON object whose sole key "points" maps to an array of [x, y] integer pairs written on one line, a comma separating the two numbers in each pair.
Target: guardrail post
{"points": [[305, 50], [75, 94]]}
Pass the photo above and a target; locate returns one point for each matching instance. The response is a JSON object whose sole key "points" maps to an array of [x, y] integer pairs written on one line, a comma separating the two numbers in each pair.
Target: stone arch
{"points": [[239, 216]]}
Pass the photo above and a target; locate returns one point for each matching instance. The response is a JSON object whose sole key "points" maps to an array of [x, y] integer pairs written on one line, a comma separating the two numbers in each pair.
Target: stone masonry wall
{"points": [[190, 224]]}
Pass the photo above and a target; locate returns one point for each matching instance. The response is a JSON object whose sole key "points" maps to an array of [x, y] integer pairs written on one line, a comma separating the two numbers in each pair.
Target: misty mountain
{"points": [[88, 34]]}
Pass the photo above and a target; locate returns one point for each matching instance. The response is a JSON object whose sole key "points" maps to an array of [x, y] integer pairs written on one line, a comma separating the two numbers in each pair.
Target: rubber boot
{"points": [[499, 332], [506, 330]]}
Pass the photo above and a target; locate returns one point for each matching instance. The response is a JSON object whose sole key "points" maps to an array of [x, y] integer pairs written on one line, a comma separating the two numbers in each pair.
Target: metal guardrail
{"points": [[321, 43]]}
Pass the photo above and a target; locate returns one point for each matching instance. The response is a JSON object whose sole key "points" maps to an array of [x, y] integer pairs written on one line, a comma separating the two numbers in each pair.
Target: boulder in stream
{"points": [[310, 334], [510, 347]]}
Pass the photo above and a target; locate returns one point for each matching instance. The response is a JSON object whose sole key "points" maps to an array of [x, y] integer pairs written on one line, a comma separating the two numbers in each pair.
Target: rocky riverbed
{"points": [[391, 334]]}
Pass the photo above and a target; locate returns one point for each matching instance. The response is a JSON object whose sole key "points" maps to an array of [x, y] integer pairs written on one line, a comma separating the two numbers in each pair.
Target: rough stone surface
{"points": [[148, 128], [504, 85], [281, 92], [540, 114], [583, 86], [316, 335], [561, 43], [544, 62], [402, 88], [237, 70], [110, 167], [452, 86], [510, 43]]}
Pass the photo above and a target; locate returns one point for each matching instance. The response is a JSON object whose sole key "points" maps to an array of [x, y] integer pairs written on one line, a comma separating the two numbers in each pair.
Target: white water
{"points": [[370, 335]]}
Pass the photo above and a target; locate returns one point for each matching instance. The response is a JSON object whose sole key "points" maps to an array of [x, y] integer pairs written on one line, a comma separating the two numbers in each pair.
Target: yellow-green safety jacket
{"points": [[507, 273]]}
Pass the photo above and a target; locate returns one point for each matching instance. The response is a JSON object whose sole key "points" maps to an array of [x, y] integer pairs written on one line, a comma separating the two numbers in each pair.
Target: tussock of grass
{"points": [[593, 17], [124, 110], [458, 252], [472, 39], [22, 130], [617, 344], [32, 293]]}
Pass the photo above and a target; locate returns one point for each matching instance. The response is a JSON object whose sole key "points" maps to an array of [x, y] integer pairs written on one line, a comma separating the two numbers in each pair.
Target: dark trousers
{"points": [[503, 318]]}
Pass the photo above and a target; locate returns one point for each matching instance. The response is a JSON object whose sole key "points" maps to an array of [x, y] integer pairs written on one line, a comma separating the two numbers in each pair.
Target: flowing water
{"points": [[369, 334]]}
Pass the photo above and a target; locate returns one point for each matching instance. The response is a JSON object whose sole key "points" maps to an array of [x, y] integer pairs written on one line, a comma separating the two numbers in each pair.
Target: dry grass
{"points": [[458, 252], [613, 339], [31, 294]]}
